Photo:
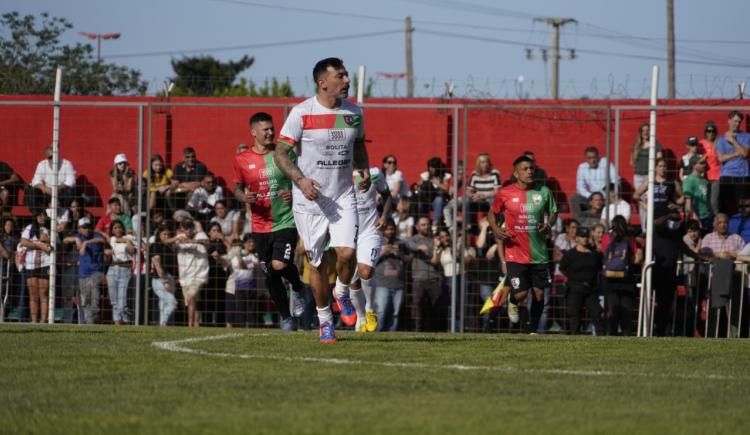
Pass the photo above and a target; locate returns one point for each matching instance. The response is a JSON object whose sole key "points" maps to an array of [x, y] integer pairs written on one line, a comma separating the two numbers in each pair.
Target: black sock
{"points": [[512, 298], [291, 274], [278, 293]]}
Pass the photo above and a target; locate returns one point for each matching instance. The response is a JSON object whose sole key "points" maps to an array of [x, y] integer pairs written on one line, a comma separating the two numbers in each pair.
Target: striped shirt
{"points": [[487, 184]]}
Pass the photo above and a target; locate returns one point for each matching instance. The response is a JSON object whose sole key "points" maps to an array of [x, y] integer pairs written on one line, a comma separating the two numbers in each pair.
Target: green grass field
{"points": [[95, 380]]}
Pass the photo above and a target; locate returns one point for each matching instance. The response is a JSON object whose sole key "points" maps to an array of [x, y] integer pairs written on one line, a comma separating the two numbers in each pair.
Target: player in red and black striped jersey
{"points": [[261, 184]]}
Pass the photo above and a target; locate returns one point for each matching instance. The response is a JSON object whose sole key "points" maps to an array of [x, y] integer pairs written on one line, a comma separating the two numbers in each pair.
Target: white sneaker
{"points": [[513, 312]]}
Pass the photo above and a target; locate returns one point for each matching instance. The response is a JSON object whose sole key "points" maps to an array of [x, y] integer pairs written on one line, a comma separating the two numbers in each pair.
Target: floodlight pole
{"points": [[98, 37]]}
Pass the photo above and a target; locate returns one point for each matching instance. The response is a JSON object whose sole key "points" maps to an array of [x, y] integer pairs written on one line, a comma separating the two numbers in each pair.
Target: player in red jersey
{"points": [[260, 183], [525, 207]]}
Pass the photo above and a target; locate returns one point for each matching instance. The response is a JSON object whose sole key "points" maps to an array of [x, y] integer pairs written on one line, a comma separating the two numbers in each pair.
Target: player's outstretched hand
{"points": [[364, 185], [309, 188], [286, 196]]}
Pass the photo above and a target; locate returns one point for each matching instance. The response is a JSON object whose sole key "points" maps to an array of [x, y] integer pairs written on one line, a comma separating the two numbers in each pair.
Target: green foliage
{"points": [[368, 87], [97, 379], [30, 52], [205, 76]]}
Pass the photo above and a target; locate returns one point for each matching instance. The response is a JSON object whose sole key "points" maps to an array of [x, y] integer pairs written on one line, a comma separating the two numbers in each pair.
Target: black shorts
{"points": [[276, 245], [39, 272], [523, 277]]}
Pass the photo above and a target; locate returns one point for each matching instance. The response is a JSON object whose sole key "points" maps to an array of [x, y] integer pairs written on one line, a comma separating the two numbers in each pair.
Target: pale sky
{"points": [[478, 45]]}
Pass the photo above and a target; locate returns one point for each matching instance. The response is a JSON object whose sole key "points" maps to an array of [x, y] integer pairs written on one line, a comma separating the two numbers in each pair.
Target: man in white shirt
{"points": [[592, 177], [39, 192]]}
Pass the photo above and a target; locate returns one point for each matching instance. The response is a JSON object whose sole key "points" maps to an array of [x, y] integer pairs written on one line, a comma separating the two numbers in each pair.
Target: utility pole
{"points": [[408, 29], [556, 23], [670, 50]]}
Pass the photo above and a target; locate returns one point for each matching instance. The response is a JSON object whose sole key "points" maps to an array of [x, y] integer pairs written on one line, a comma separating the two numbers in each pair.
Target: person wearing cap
{"points": [[114, 212], [39, 192], [733, 149], [122, 178], [581, 265], [697, 198], [90, 244], [688, 159]]}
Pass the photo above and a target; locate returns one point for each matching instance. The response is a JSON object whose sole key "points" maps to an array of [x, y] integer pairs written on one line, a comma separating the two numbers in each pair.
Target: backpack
{"points": [[616, 259]]}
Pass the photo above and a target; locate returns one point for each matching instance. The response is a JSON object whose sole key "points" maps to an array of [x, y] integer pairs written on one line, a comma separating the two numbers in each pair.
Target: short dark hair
{"points": [[322, 66], [529, 153], [710, 125], [220, 201], [114, 200], [188, 150], [522, 159], [734, 113], [389, 222], [594, 150], [112, 226], [693, 225], [247, 237], [260, 117]]}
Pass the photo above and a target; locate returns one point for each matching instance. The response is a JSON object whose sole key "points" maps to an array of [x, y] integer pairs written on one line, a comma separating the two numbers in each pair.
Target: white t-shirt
{"points": [[367, 206], [403, 225], [192, 261], [621, 208], [394, 178], [44, 174], [201, 195], [247, 259], [35, 258], [119, 250], [227, 223], [324, 142]]}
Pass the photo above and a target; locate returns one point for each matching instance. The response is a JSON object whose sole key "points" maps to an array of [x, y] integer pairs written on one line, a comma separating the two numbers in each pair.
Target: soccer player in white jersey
{"points": [[328, 134], [369, 243]]}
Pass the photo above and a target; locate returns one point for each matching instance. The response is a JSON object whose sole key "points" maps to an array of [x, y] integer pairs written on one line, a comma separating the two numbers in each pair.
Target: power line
{"points": [[309, 11], [255, 46]]}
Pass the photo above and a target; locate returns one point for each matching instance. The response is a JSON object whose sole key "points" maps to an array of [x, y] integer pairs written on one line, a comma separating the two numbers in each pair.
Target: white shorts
{"points": [[341, 223], [368, 248]]}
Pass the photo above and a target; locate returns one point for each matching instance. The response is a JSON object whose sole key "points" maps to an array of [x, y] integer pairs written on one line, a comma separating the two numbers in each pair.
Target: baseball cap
{"points": [[692, 140], [84, 222], [121, 158], [582, 232]]}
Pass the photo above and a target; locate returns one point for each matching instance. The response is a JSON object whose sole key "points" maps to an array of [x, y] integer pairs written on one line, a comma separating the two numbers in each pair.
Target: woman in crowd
{"points": [[158, 176], [403, 220], [433, 188], [484, 182], [394, 178], [667, 193], [164, 262], [443, 255], [713, 169], [244, 263], [122, 178], [36, 239], [215, 294], [121, 251], [581, 266], [597, 233], [620, 255], [193, 266], [639, 162], [593, 214]]}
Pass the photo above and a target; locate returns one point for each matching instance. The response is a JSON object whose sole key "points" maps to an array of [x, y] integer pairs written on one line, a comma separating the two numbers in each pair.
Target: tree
{"points": [[205, 75], [30, 52]]}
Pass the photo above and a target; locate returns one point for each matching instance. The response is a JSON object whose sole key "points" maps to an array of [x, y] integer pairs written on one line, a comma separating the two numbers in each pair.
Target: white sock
{"points": [[341, 289], [358, 300], [325, 314], [367, 288]]}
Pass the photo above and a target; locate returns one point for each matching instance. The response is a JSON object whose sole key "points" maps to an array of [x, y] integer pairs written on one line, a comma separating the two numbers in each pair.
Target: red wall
{"points": [[91, 135]]}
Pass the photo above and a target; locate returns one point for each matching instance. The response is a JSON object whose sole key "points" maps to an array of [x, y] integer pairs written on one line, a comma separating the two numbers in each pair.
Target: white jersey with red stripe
{"points": [[367, 201], [324, 140]]}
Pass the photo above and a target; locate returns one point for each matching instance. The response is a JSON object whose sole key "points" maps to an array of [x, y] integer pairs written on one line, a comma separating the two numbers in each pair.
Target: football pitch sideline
{"points": [[93, 380]]}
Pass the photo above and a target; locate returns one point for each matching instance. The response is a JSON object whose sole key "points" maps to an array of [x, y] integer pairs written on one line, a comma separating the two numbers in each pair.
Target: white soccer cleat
{"points": [[513, 312]]}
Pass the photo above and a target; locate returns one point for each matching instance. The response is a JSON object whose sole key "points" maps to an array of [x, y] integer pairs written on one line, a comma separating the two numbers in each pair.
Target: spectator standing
{"points": [[90, 244], [581, 266], [204, 198], [593, 213], [617, 207], [397, 184], [695, 187], [639, 163], [390, 279], [713, 171], [164, 262], [230, 220], [667, 194], [187, 177], [114, 212], [122, 178], [403, 220], [219, 271], [159, 178], [39, 193], [452, 267], [565, 241], [689, 159], [592, 177], [620, 257], [121, 251], [67, 263], [245, 264], [597, 235], [425, 277], [487, 268], [8, 245], [36, 241], [192, 262], [433, 188], [740, 223], [732, 150]]}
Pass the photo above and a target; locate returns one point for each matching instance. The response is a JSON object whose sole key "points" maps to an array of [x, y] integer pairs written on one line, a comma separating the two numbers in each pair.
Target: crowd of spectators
{"points": [[201, 258]]}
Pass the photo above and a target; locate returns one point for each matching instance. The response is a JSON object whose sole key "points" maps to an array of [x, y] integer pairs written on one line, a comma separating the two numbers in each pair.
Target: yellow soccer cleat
{"points": [[371, 321]]}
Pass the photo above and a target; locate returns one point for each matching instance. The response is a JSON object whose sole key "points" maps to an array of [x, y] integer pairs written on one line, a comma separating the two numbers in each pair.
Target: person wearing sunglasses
{"points": [[395, 178], [713, 167]]}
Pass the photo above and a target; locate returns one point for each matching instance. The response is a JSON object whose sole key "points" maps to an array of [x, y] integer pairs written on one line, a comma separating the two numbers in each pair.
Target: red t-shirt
{"points": [[712, 159]]}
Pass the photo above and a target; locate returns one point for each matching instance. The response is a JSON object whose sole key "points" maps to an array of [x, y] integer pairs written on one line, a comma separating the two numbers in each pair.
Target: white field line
{"points": [[179, 346]]}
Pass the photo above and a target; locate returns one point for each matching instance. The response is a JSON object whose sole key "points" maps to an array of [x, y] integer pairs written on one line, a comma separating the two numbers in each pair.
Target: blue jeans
{"points": [[118, 278], [388, 302], [437, 209], [167, 301]]}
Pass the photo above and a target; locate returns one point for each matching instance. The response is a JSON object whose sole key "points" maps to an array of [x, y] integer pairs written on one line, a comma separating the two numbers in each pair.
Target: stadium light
{"points": [[99, 37]]}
